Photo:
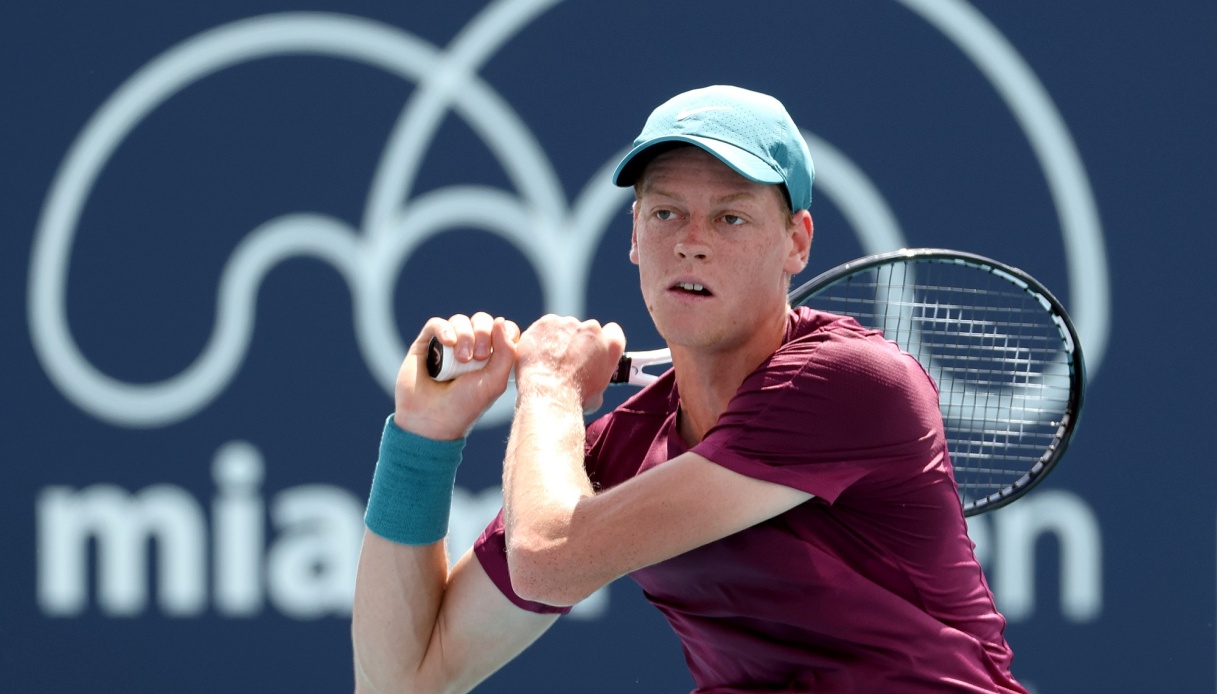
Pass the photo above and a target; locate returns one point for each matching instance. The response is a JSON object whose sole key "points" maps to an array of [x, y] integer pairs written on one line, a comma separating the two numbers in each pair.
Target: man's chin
{"points": [[690, 337]]}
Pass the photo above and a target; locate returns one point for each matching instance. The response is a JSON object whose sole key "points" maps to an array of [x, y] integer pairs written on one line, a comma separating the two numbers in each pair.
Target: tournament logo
{"points": [[557, 236]]}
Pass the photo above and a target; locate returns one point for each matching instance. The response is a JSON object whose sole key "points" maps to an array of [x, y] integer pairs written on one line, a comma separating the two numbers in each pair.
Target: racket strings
{"points": [[999, 359]]}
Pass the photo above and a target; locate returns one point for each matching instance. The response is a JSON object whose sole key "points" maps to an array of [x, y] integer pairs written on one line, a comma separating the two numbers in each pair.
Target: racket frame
{"points": [[1071, 343]]}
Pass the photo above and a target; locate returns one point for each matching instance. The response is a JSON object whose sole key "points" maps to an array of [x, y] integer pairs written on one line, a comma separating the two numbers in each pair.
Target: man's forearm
{"points": [[398, 593], [543, 482]]}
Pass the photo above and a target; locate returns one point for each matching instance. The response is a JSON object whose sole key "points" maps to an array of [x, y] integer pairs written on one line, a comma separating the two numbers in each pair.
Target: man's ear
{"points": [[634, 233], [801, 230]]}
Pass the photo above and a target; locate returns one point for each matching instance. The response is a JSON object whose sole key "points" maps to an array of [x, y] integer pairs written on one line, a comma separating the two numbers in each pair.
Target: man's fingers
{"points": [[615, 337], [513, 331], [482, 324], [470, 338], [504, 335], [462, 328]]}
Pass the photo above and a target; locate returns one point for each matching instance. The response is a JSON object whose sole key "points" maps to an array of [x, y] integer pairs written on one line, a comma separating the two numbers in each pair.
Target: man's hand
{"points": [[447, 411], [563, 357]]}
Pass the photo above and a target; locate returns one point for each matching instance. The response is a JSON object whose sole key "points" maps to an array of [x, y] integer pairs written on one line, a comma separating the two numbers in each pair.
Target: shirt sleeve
{"points": [[491, 550], [826, 411]]}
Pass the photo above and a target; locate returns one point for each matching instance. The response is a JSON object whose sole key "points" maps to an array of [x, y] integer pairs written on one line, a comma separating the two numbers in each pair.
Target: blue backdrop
{"points": [[223, 221]]}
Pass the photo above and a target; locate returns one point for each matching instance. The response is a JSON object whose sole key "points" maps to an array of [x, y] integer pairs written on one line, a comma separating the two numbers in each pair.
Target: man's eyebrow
{"points": [[649, 188], [742, 195]]}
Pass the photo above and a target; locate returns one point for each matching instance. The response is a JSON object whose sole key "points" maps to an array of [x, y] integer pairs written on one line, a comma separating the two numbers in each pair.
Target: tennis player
{"points": [[783, 495]]}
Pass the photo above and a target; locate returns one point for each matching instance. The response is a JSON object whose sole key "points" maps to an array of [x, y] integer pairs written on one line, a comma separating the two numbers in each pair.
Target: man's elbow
{"points": [[544, 575], [393, 676], [413, 685]]}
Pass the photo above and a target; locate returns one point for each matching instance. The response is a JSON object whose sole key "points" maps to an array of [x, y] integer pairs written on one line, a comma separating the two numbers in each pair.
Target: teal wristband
{"points": [[412, 487]]}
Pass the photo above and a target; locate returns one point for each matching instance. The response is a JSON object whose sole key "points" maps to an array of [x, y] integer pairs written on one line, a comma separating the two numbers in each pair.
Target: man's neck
{"points": [[708, 380]]}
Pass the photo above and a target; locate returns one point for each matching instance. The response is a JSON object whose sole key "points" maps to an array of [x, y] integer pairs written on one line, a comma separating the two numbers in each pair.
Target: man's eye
{"points": [[663, 214], [733, 220]]}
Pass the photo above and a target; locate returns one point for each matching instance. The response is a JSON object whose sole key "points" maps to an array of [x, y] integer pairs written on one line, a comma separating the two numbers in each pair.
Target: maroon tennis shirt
{"points": [[871, 586]]}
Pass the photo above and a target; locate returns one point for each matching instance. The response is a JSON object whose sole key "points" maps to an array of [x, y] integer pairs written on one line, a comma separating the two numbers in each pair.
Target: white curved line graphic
{"points": [[557, 240], [180, 396], [527, 166], [1089, 288]]}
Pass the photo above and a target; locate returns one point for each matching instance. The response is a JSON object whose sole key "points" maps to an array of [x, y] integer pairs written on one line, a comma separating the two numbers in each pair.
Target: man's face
{"points": [[714, 251]]}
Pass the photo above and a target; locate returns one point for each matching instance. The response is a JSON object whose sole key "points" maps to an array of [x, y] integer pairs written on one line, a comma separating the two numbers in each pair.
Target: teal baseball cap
{"points": [[748, 131]]}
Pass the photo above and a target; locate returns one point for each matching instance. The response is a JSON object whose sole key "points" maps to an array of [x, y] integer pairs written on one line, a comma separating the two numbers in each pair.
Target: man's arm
{"points": [[416, 626], [564, 540]]}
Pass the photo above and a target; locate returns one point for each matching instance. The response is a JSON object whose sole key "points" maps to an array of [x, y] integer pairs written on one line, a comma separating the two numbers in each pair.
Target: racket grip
{"points": [[443, 366]]}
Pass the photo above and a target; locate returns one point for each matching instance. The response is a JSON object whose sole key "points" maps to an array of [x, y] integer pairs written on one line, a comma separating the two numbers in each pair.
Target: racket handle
{"points": [[443, 366]]}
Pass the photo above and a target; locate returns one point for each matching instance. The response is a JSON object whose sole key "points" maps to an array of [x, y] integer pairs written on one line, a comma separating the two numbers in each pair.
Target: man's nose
{"points": [[693, 241]]}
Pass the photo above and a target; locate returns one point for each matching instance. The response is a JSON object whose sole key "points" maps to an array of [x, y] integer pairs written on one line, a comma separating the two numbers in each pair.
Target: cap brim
{"points": [[744, 163]]}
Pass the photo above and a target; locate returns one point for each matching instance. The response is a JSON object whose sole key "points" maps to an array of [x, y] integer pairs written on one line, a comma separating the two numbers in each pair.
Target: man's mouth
{"points": [[692, 288]]}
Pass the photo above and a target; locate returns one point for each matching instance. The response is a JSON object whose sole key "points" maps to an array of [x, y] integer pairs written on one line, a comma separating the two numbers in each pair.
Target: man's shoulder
{"points": [[827, 335], [829, 343]]}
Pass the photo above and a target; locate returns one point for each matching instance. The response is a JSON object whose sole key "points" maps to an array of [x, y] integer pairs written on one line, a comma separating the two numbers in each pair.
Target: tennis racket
{"points": [[1005, 356]]}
